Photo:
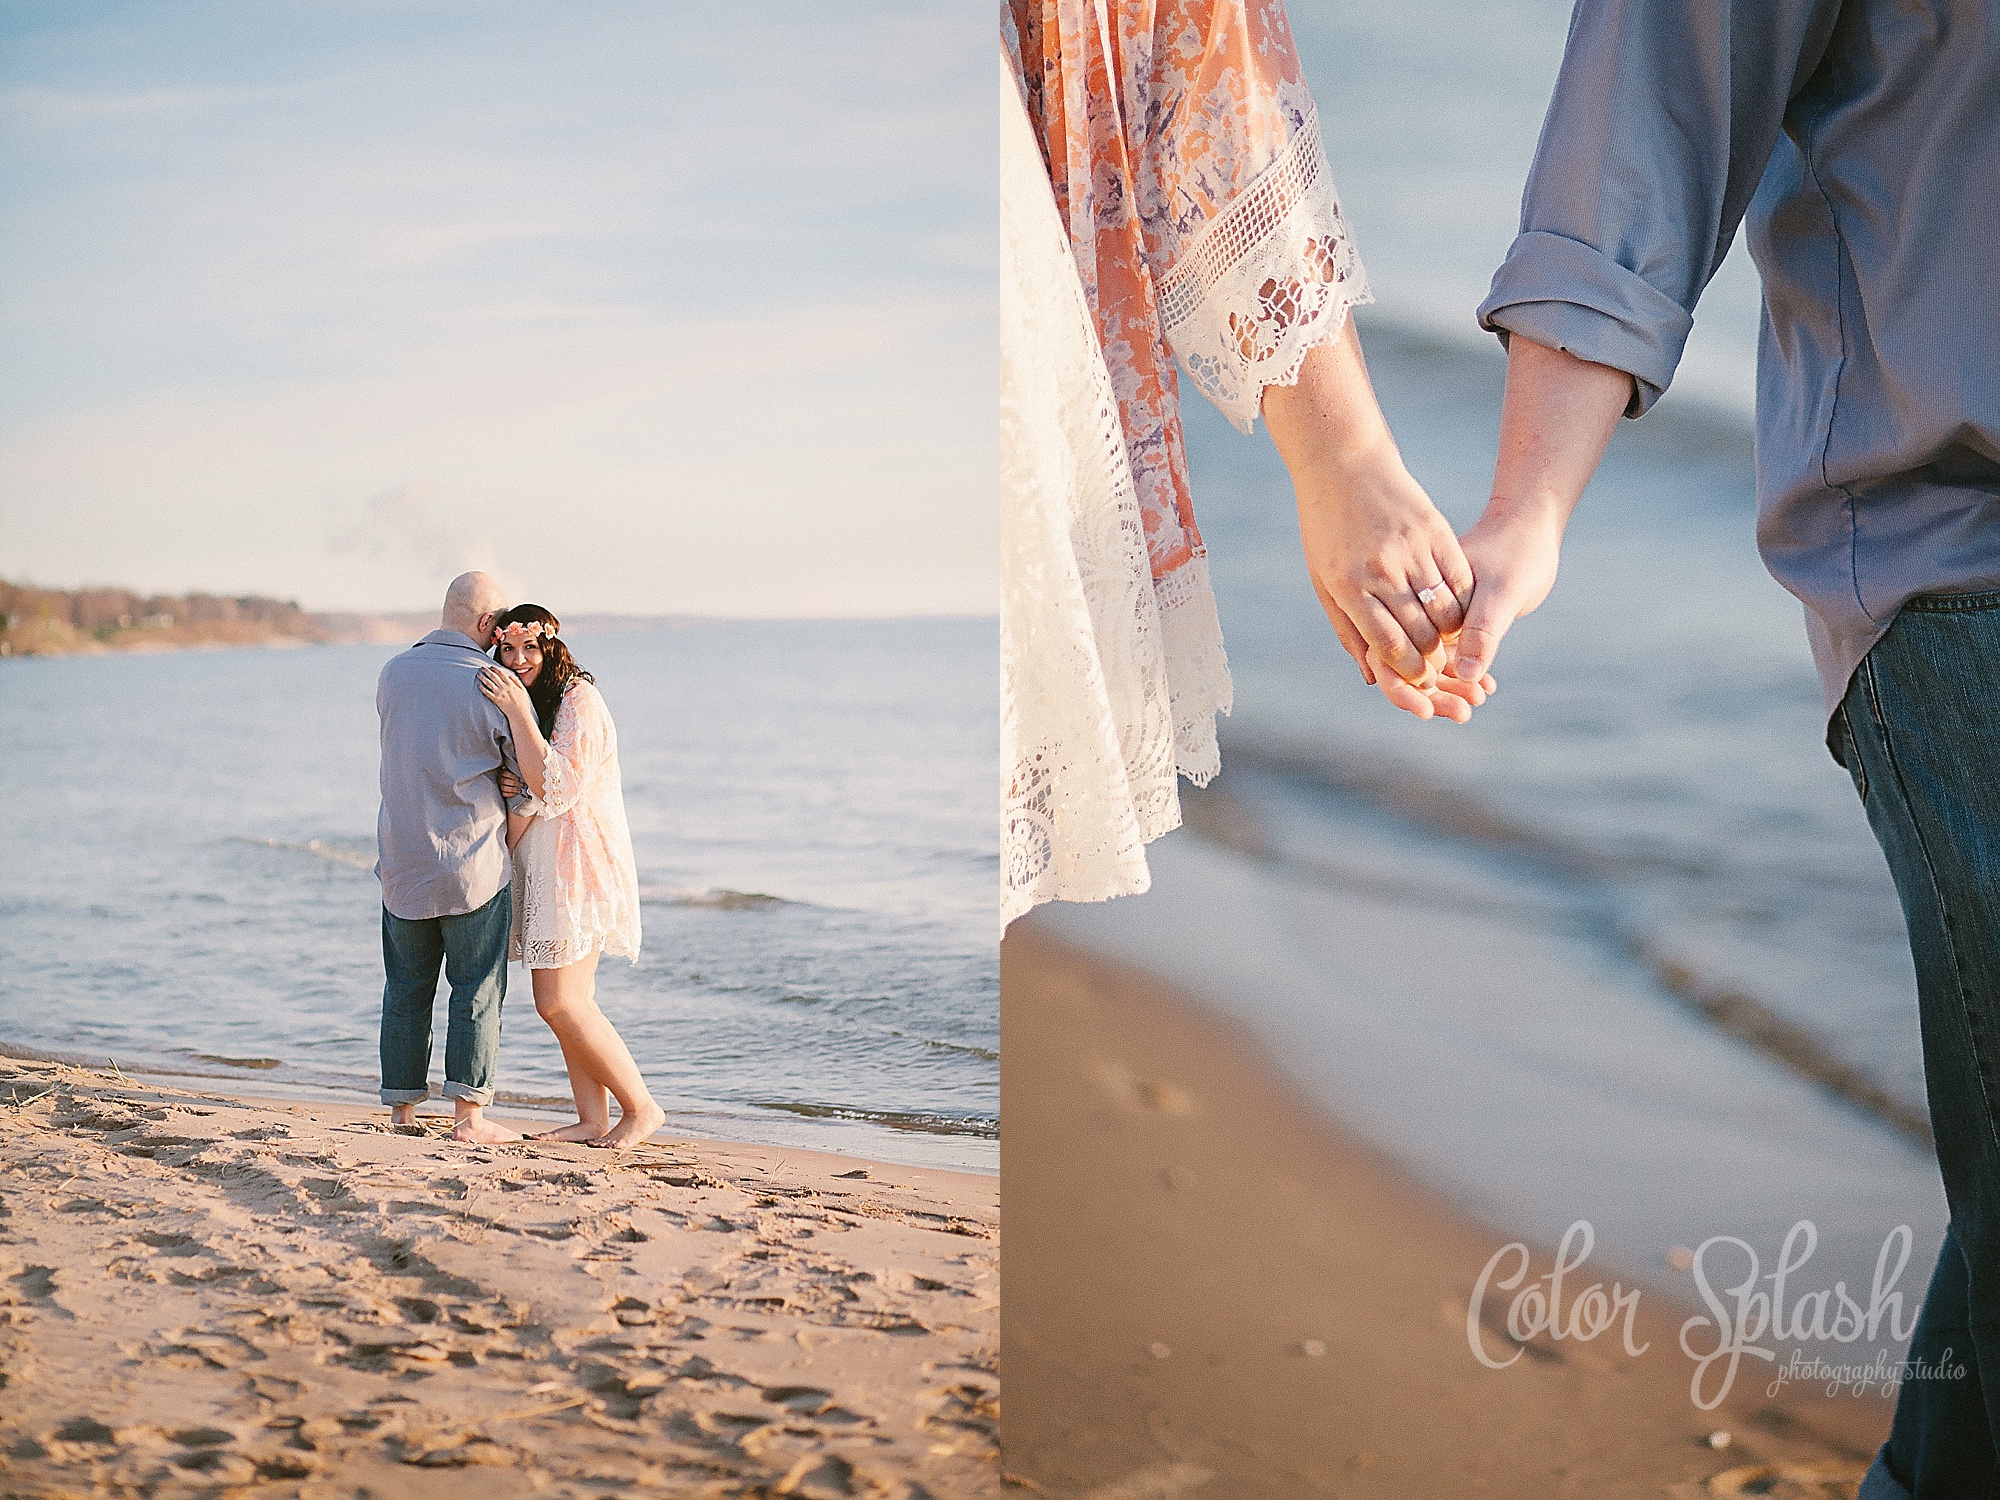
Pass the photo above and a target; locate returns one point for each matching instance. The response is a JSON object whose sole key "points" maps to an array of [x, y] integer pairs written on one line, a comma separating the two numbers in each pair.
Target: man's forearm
{"points": [[1557, 417], [1555, 422]]}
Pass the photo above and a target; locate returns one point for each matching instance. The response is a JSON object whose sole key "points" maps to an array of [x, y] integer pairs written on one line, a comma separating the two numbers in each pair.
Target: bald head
{"points": [[470, 605]]}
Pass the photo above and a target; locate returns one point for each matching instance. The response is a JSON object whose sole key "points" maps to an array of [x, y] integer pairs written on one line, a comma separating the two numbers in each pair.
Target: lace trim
{"points": [[1264, 282], [562, 952], [1197, 668]]}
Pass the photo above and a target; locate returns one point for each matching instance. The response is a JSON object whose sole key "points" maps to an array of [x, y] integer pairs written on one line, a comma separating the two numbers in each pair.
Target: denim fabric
{"points": [[472, 949], [1919, 731]]}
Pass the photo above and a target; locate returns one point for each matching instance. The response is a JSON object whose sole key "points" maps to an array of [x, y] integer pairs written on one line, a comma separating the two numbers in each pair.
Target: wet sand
{"points": [[1214, 1292], [201, 1294]]}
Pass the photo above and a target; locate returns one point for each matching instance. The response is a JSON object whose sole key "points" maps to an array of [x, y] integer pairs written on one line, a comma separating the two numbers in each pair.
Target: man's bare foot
{"points": [[402, 1114], [479, 1130], [582, 1130], [633, 1130]]}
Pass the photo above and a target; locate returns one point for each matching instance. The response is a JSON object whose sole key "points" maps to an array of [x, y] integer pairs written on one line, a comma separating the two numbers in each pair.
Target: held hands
{"points": [[1513, 552], [1377, 546], [1393, 581]]}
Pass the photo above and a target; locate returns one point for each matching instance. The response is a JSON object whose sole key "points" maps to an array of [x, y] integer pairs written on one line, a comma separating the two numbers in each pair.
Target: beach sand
{"points": [[201, 1294], [1213, 1292]]}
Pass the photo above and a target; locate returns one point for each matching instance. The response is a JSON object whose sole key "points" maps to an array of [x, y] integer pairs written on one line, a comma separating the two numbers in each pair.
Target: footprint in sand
{"points": [[1165, 1482]]}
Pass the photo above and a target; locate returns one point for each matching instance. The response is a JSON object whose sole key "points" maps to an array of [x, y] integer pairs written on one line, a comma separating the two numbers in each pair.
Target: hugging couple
{"points": [[502, 835]]}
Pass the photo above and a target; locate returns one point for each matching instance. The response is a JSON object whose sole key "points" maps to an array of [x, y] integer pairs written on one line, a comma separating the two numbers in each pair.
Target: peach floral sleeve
{"points": [[1184, 150]]}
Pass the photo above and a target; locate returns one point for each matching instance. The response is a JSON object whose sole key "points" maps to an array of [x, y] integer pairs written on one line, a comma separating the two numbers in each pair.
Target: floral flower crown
{"points": [[524, 633]]}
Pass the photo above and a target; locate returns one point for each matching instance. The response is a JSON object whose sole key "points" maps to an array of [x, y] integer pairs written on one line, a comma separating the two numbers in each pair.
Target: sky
{"points": [[648, 307]]}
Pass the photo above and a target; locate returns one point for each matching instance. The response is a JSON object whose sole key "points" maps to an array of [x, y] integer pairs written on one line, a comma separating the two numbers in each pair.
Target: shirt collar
{"points": [[450, 638]]}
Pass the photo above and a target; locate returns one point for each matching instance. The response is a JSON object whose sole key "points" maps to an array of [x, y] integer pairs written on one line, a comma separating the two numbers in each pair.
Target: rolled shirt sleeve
{"points": [[1664, 115]]}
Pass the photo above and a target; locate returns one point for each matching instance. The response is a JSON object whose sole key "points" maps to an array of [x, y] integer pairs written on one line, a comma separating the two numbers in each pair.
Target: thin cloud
{"points": [[53, 108], [406, 527]]}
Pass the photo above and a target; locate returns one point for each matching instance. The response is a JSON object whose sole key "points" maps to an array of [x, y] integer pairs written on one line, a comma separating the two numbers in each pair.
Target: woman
{"points": [[576, 888], [1166, 199]]}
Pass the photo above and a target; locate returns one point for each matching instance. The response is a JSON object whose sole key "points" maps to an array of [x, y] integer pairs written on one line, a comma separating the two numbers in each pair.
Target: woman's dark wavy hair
{"points": [[559, 668]]}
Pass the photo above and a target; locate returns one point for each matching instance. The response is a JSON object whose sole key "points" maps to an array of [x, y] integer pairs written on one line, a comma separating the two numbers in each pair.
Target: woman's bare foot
{"points": [[582, 1130], [633, 1130]]}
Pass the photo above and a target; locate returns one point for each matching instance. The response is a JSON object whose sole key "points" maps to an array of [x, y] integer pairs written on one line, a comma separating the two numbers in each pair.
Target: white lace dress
{"points": [[576, 884]]}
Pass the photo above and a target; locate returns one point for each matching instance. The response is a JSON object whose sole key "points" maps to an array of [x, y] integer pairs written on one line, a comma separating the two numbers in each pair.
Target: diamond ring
{"points": [[1425, 596]]}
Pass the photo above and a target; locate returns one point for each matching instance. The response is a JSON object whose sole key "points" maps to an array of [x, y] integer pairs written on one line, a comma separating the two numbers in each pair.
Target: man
{"points": [[1863, 139], [445, 870]]}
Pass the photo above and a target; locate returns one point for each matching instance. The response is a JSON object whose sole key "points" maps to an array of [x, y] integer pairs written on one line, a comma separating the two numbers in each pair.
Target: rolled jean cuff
{"points": [[468, 1093], [1878, 1483], [405, 1096]]}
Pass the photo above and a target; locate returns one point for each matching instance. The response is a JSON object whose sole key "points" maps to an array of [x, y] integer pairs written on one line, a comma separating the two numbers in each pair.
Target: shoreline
{"points": [[1547, 1082], [682, 1123], [400, 629], [343, 1308], [1217, 1290]]}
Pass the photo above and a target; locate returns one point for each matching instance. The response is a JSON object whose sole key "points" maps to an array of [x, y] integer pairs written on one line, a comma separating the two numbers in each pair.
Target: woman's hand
{"points": [[510, 784], [1385, 565], [1374, 543], [1448, 698], [505, 689]]}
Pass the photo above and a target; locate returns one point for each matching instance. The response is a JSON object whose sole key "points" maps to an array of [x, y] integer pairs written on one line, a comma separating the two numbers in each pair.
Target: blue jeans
{"points": [[1919, 731], [472, 949]]}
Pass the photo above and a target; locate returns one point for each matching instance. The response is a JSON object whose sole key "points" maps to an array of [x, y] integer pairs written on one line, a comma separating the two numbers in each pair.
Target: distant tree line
{"points": [[46, 621]]}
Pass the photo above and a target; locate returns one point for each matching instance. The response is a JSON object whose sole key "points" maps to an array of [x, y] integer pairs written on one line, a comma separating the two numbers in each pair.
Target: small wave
{"points": [[966, 1048], [984, 1127], [1217, 816], [237, 1062], [338, 854], [714, 899], [1751, 1021]]}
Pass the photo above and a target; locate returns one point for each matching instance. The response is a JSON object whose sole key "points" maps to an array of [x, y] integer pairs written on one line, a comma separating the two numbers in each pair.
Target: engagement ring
{"points": [[1424, 596]]}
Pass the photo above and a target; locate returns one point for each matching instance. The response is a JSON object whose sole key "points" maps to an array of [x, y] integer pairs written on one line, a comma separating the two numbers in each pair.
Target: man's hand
{"points": [[1555, 422], [510, 784], [1514, 551]]}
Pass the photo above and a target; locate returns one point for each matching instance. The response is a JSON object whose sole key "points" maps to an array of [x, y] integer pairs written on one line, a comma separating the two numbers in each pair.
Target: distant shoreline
{"points": [[350, 629]]}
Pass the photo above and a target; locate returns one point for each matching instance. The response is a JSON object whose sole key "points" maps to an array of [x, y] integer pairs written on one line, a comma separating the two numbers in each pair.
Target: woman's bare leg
{"points": [[593, 1100], [590, 1043]]}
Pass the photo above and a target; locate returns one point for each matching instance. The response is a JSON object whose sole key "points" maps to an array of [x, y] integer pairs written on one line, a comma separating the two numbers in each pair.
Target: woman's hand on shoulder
{"points": [[505, 689]]}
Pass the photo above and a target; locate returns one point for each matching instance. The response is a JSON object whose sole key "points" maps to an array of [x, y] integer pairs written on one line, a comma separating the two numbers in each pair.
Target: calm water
{"points": [[187, 878]]}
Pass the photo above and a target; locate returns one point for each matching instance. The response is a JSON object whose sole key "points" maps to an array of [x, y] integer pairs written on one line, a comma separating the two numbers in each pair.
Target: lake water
{"points": [[186, 882]]}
